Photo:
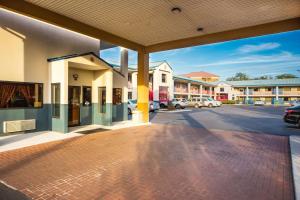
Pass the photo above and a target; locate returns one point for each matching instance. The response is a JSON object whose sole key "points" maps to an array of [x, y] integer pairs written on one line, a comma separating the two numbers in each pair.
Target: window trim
{"points": [[82, 88], [56, 117], [99, 103], [20, 82]]}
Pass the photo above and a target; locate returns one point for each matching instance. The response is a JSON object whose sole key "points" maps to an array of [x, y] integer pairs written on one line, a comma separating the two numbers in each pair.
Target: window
{"points": [[150, 78], [129, 95], [221, 89], [255, 89], [87, 96], [21, 95], [117, 96], [163, 78], [241, 90], [102, 99], [55, 99], [269, 89], [130, 78]]}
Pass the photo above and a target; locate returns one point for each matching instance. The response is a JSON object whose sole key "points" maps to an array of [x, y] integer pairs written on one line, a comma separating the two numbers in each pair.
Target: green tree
{"points": [[239, 77], [286, 76], [265, 77]]}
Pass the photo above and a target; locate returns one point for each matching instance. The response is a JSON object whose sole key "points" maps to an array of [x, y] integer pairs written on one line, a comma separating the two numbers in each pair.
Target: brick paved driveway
{"points": [[153, 162]]}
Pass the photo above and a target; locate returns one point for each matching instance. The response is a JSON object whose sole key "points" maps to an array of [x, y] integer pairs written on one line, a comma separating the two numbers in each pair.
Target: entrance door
{"points": [[74, 105]]}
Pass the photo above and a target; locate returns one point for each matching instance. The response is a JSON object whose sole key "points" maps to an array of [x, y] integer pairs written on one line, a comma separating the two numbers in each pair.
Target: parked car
{"points": [[196, 102], [292, 115], [259, 103], [179, 103], [132, 105], [294, 103], [154, 106], [210, 102]]}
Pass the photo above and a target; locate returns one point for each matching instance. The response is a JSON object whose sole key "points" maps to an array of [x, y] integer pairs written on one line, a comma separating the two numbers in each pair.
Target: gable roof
{"points": [[84, 54], [271, 82], [176, 77], [200, 74]]}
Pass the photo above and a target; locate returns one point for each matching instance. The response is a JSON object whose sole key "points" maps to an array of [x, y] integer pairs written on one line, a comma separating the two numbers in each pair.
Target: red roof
{"points": [[200, 74]]}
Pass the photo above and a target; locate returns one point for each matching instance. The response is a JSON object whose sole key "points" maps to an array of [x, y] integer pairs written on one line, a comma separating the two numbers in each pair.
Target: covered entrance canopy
{"points": [[157, 25]]}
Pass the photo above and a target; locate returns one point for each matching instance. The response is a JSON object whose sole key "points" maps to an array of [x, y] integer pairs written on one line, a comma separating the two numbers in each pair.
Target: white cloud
{"points": [[249, 48], [281, 57]]}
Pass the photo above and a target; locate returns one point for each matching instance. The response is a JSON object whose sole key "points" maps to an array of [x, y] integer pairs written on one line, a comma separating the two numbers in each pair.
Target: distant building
{"points": [[202, 76], [280, 91]]}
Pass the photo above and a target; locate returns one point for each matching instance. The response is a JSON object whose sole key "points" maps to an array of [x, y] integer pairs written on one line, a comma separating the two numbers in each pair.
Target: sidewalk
{"points": [[295, 155], [17, 141]]}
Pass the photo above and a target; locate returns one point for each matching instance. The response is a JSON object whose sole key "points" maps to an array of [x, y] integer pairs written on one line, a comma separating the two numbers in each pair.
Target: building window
{"points": [[102, 99], [55, 99], [21, 95], [129, 95], [241, 90], [163, 78], [87, 96], [117, 96], [150, 78], [221, 89], [255, 89], [269, 89], [130, 78]]}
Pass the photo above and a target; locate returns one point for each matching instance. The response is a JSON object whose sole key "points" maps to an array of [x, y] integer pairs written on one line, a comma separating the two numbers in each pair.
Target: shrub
{"points": [[228, 102]]}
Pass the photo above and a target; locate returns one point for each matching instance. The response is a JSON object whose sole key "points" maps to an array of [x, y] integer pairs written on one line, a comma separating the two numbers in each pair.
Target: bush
{"points": [[228, 102]]}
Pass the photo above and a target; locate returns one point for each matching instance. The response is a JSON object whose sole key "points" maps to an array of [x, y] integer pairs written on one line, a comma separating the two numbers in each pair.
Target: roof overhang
{"points": [[273, 18]]}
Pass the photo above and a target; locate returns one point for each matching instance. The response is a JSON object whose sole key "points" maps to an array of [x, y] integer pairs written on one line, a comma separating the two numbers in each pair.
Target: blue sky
{"points": [[265, 55]]}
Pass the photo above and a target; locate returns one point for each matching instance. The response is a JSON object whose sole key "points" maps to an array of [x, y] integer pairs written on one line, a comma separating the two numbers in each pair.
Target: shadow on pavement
{"points": [[9, 193]]}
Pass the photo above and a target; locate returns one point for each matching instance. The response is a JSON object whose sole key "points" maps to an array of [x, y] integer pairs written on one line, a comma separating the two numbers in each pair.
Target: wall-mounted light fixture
{"points": [[75, 77], [200, 29], [176, 10]]}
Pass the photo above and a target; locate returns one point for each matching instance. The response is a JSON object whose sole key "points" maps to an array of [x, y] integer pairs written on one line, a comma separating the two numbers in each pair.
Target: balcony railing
{"points": [[180, 90]]}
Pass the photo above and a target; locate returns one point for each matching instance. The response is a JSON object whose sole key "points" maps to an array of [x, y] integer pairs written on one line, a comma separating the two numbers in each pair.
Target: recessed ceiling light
{"points": [[176, 10], [200, 29]]}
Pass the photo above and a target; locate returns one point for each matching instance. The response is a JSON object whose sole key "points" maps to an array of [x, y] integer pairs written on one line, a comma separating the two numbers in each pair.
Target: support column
{"points": [[247, 95], [189, 90], [210, 91], [201, 88], [124, 71], [143, 85], [277, 93]]}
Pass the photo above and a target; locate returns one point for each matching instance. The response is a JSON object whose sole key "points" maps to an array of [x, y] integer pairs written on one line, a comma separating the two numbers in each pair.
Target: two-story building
{"points": [[274, 91]]}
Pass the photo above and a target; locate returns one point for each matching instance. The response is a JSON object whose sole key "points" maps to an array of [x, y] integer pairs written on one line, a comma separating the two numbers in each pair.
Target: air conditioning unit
{"points": [[19, 125]]}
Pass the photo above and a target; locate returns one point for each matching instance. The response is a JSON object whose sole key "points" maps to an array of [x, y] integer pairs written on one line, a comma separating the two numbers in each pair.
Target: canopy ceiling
{"points": [[151, 23]]}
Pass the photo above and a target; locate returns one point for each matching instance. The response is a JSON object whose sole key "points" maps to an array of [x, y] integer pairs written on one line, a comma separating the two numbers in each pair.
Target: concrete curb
{"points": [[295, 159]]}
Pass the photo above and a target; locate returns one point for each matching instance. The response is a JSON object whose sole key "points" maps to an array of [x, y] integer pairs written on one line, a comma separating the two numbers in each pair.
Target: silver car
{"points": [[179, 103]]}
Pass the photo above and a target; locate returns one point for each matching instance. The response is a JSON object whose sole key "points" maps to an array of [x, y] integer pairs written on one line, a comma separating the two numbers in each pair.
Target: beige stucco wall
{"points": [[26, 45], [120, 81], [102, 78], [59, 74]]}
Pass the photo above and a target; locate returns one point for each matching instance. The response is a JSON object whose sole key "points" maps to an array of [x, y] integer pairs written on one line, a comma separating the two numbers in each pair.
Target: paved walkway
{"points": [[17, 141], [153, 162]]}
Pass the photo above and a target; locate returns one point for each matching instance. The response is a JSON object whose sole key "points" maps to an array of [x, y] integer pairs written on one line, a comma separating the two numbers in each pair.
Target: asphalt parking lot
{"points": [[258, 119]]}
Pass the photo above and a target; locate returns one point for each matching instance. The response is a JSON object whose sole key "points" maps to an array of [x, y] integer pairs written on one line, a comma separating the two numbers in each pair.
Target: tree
{"points": [[286, 76], [239, 77], [265, 77]]}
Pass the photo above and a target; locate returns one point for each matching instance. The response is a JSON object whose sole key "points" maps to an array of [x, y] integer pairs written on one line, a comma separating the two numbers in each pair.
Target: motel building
{"points": [[276, 91], [164, 85], [160, 82], [52, 78]]}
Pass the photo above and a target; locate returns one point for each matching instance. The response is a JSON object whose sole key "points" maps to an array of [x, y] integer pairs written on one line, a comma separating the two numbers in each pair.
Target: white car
{"points": [[210, 102], [179, 103], [259, 103], [132, 105]]}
